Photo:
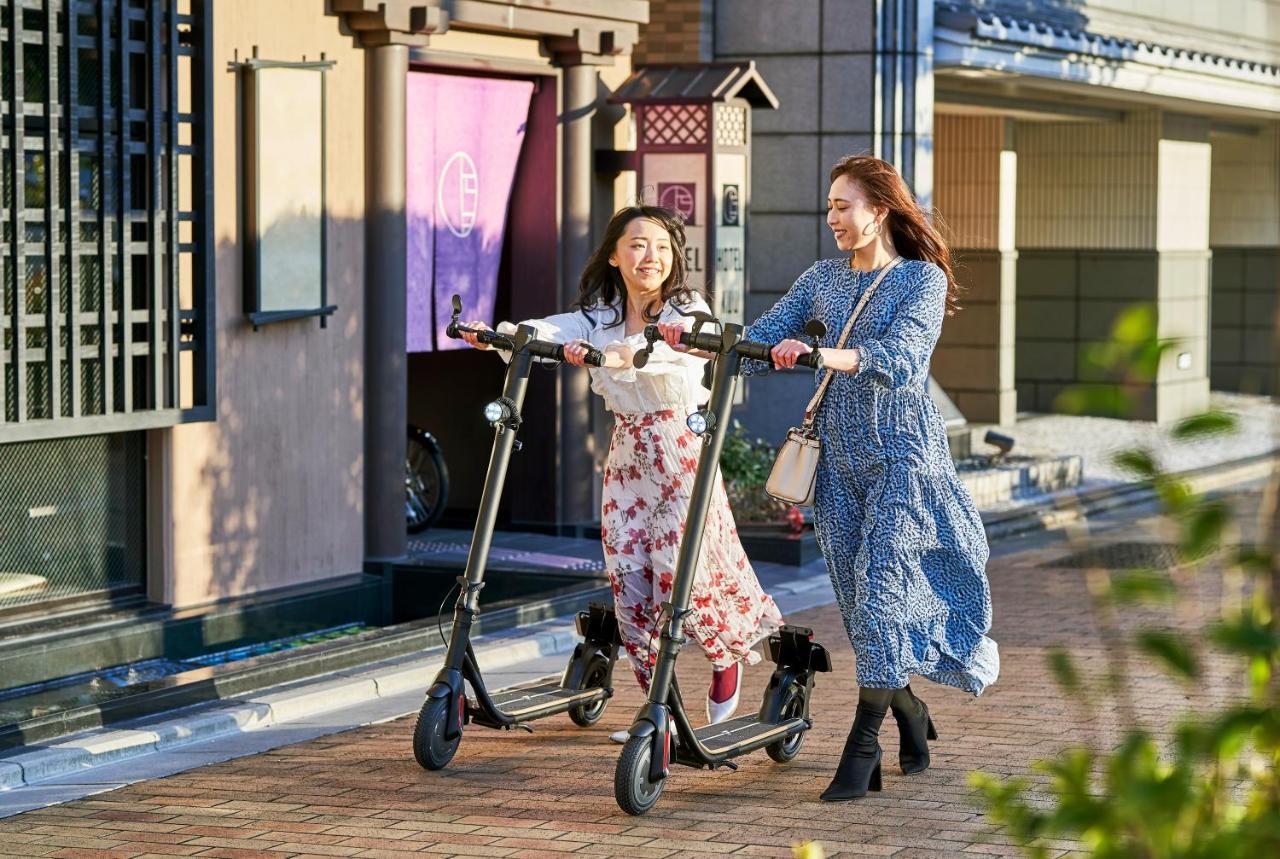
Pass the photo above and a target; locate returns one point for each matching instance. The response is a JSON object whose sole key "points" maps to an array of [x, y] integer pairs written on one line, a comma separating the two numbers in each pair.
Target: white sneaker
{"points": [[719, 711]]}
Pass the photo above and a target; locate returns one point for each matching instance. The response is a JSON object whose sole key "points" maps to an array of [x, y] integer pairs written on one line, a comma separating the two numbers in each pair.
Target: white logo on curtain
{"points": [[458, 194]]}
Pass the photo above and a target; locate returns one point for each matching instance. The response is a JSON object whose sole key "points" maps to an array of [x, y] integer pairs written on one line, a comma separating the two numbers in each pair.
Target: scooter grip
{"points": [[594, 357], [813, 359]]}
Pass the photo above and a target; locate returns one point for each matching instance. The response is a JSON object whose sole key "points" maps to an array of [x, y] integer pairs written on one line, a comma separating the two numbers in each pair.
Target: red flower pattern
{"points": [[643, 517]]}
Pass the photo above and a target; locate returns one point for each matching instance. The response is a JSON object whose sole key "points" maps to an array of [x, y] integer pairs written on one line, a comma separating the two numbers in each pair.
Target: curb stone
{"points": [[282, 705]]}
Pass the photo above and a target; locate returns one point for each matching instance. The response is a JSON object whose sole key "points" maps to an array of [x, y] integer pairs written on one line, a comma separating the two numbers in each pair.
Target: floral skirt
{"points": [[648, 481]]}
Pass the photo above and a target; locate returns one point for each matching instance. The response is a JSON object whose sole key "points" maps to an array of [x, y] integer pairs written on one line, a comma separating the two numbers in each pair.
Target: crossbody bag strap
{"points": [[844, 335]]}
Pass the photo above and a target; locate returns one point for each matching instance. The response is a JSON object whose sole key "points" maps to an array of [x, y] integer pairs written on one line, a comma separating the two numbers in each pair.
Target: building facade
{"points": [[1080, 156], [161, 443]]}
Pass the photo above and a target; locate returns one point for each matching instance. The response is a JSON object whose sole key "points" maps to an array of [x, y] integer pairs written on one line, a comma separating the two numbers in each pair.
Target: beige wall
{"points": [[271, 493], [1245, 190], [1088, 185], [974, 185]]}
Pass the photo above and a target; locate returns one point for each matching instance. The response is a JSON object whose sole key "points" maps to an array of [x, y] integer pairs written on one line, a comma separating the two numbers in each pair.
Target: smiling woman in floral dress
{"points": [[635, 278]]}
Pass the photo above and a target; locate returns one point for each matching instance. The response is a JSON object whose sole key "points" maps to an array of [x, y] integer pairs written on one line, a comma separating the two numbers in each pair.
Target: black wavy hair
{"points": [[602, 285]]}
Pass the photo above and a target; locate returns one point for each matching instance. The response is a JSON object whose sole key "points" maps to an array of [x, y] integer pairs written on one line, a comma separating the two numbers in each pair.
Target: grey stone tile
{"points": [[1039, 318], [1261, 271], [1044, 361], [1228, 268], [767, 27], [782, 247], [848, 98], [1048, 274], [783, 168], [848, 25], [1119, 275]]}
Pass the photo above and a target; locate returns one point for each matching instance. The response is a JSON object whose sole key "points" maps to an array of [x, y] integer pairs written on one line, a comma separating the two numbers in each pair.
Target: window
{"points": [[105, 237]]}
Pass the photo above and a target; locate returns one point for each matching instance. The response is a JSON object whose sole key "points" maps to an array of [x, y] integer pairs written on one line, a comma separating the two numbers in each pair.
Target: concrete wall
{"points": [[975, 186], [1111, 215], [270, 494], [1245, 235]]}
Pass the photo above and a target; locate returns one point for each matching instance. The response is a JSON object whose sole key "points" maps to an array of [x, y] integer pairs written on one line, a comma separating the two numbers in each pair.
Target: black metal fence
{"points": [[105, 216]]}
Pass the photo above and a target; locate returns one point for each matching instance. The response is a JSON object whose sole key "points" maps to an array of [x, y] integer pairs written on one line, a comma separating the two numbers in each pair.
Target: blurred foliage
{"points": [[1212, 790], [745, 464]]}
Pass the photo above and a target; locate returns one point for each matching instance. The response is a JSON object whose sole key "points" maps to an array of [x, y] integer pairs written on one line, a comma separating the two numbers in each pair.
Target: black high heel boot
{"points": [[915, 728], [859, 768]]}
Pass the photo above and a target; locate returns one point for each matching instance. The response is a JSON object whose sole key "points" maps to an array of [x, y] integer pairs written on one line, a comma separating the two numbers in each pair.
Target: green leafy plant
{"points": [[745, 464], [1213, 789]]}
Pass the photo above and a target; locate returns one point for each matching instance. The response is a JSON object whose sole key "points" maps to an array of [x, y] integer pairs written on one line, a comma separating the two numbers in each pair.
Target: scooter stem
{"points": [[724, 378], [517, 382]]}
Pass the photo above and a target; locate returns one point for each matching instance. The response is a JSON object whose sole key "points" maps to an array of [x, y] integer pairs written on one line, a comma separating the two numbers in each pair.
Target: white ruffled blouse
{"points": [[671, 379]]}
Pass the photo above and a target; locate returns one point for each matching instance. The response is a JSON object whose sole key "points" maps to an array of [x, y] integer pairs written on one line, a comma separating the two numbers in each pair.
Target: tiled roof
{"points": [[1003, 27]]}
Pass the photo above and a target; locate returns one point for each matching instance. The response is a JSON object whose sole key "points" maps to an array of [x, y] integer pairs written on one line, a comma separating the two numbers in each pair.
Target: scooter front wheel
{"points": [[792, 707], [430, 747], [633, 790], [596, 675]]}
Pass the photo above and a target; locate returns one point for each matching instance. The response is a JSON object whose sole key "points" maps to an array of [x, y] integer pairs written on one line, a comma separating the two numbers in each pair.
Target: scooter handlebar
{"points": [[704, 342], [483, 335], [537, 348], [764, 352], [555, 352]]}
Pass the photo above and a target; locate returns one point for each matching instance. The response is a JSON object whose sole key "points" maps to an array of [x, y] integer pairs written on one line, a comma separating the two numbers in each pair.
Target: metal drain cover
{"points": [[1122, 556]]}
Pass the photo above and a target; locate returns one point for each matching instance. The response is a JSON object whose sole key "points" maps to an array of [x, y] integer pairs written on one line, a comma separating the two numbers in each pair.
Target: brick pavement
{"points": [[550, 794]]}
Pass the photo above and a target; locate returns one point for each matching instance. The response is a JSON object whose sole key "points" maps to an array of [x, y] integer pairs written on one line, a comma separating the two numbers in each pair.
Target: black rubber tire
{"points": [[631, 786], [596, 675], [430, 747], [426, 481], [785, 750]]}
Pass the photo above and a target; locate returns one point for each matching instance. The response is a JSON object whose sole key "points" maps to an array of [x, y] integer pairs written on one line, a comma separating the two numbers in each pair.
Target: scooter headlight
{"points": [[701, 422], [495, 412]]}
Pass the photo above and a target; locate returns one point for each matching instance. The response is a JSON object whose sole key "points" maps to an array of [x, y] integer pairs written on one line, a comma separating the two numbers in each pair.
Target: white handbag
{"points": [[794, 475]]}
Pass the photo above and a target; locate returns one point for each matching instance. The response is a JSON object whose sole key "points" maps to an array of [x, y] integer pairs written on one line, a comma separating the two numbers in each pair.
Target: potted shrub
{"points": [[770, 529]]}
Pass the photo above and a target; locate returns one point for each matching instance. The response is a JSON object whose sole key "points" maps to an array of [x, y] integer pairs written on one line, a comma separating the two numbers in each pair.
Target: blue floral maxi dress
{"points": [[900, 533]]}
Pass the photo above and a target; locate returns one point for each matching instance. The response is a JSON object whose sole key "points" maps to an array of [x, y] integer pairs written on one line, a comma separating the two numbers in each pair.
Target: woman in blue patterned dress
{"points": [[900, 533]]}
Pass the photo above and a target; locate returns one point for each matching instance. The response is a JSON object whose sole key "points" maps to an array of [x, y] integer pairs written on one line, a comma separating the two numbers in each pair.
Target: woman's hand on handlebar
{"points": [[470, 338], [671, 332], [786, 353], [575, 352]]}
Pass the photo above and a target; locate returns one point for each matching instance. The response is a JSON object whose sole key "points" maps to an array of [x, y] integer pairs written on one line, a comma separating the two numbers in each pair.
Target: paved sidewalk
{"points": [[104, 759], [360, 793]]}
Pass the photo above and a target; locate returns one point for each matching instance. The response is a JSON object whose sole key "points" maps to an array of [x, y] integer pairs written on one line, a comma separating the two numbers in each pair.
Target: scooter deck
{"points": [[544, 699], [746, 730]]}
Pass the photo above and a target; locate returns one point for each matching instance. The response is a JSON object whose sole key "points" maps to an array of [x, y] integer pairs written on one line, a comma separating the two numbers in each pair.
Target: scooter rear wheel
{"points": [[430, 747], [596, 675], [786, 749], [633, 790]]}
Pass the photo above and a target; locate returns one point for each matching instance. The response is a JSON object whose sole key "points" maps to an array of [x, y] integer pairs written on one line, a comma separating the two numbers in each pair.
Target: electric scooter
{"points": [[585, 688], [662, 732]]}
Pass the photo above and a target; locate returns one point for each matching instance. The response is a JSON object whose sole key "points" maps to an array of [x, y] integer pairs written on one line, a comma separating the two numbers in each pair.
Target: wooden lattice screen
{"points": [[105, 215]]}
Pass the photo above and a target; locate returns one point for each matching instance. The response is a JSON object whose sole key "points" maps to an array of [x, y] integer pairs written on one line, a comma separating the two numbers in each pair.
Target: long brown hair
{"points": [[909, 227], [602, 284]]}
